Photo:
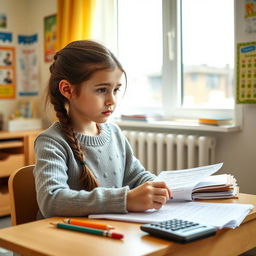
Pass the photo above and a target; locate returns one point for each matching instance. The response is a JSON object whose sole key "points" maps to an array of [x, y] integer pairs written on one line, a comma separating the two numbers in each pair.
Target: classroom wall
{"points": [[42, 9], [25, 17], [16, 24], [237, 150]]}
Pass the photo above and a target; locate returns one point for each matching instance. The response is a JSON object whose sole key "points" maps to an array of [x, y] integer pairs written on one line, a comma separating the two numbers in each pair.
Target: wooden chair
{"points": [[22, 192]]}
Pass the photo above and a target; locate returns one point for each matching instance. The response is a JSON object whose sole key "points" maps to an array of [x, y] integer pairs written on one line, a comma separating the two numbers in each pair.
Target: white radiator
{"points": [[161, 151]]}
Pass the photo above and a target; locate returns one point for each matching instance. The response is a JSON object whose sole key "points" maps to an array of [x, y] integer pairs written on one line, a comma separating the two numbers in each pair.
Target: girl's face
{"points": [[97, 98]]}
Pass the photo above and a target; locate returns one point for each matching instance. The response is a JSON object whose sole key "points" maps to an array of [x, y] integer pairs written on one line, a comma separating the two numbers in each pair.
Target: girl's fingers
{"points": [[169, 193], [162, 192], [156, 206], [160, 199], [162, 184], [159, 184]]}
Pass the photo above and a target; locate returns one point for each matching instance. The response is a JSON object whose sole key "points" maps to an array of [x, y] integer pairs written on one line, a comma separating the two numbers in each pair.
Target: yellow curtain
{"points": [[74, 20]]}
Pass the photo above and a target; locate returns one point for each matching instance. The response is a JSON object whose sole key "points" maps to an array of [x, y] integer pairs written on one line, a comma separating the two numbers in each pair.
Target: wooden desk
{"points": [[40, 238]]}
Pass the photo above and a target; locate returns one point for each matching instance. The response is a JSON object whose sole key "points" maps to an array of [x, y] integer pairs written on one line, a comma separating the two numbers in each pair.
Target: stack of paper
{"points": [[199, 183], [219, 215], [188, 184], [216, 186]]}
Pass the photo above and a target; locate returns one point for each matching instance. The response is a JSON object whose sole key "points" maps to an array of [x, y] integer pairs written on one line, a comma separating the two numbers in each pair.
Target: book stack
{"points": [[199, 183], [216, 187], [215, 121], [144, 118]]}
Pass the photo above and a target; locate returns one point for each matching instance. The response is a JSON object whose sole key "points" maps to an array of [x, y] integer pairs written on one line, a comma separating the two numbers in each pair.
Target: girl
{"points": [[84, 164]]}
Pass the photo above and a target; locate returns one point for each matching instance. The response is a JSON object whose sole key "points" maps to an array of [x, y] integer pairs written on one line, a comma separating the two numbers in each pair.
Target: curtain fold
{"points": [[74, 20]]}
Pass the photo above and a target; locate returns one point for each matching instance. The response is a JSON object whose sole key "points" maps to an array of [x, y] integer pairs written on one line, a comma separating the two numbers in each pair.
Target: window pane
{"points": [[207, 53], [140, 52]]}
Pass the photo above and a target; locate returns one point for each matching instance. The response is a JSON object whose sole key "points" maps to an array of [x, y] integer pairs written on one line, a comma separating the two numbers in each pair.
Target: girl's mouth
{"points": [[107, 113]]}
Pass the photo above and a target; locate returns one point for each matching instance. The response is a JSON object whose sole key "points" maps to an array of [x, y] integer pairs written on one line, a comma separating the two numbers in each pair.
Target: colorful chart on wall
{"points": [[50, 42], [28, 66], [250, 16], [7, 73], [246, 73]]}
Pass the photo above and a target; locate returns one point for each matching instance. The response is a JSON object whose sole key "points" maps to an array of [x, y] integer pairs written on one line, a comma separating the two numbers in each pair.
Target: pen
{"points": [[88, 224], [93, 231]]}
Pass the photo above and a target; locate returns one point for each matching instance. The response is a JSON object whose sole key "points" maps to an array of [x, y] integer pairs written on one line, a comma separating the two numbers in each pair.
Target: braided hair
{"points": [[76, 63]]}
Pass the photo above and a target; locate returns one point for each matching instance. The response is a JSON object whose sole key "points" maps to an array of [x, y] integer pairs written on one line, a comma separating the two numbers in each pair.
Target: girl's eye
{"points": [[101, 90], [117, 90]]}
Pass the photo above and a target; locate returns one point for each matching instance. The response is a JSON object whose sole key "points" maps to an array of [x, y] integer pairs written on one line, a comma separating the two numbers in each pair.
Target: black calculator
{"points": [[181, 231]]}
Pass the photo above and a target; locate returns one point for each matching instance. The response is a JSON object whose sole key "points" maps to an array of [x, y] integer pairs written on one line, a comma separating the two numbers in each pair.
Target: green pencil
{"points": [[93, 231]]}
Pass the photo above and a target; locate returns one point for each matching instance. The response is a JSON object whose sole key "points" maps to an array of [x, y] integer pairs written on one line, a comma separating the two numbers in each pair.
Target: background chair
{"points": [[22, 192]]}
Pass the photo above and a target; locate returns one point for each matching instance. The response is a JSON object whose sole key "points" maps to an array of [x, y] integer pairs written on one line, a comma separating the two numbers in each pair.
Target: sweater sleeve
{"points": [[53, 176]]}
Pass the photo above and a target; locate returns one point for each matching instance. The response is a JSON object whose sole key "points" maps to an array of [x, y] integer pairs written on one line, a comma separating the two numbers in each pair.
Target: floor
{"points": [[6, 222]]}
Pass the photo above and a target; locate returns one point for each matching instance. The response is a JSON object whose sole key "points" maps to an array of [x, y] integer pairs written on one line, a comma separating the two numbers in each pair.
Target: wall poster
{"points": [[246, 73], [50, 42], [7, 73], [250, 16], [27, 65], [5, 37], [3, 20]]}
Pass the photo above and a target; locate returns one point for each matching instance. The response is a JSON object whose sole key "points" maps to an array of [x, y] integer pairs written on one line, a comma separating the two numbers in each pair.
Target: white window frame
{"points": [[172, 68], [171, 76]]}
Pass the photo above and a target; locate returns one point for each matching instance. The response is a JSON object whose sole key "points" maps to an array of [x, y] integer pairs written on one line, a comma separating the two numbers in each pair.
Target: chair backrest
{"points": [[22, 192]]}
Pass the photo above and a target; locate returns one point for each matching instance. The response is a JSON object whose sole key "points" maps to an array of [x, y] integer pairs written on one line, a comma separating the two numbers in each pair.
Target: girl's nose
{"points": [[111, 99]]}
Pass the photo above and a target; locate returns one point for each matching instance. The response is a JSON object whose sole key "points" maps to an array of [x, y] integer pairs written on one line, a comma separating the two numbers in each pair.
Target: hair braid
{"points": [[87, 175]]}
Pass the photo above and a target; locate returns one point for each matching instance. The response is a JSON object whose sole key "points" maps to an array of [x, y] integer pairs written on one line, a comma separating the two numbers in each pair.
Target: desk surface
{"points": [[40, 238]]}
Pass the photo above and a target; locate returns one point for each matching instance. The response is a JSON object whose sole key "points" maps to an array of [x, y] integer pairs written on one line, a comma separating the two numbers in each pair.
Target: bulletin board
{"points": [[246, 73], [7, 73]]}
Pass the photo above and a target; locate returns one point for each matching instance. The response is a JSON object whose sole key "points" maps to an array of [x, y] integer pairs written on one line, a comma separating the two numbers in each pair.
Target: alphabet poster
{"points": [[246, 73]]}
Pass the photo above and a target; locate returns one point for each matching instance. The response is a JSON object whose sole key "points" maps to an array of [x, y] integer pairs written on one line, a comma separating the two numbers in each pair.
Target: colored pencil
{"points": [[88, 224], [93, 231]]}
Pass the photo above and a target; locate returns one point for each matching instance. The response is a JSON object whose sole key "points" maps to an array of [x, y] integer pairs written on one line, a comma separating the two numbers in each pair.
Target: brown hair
{"points": [[76, 63]]}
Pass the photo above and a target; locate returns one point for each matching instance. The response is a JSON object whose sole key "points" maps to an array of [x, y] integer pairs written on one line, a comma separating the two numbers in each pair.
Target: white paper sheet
{"points": [[182, 182], [216, 214]]}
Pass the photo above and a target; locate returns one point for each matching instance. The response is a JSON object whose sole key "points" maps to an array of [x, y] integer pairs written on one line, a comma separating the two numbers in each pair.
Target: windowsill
{"points": [[178, 125]]}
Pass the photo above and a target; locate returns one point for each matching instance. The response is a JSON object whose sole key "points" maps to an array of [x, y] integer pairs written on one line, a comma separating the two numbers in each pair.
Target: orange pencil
{"points": [[88, 224]]}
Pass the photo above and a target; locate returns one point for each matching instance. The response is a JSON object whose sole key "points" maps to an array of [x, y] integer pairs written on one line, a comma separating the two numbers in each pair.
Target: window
{"points": [[140, 50], [178, 54], [207, 34]]}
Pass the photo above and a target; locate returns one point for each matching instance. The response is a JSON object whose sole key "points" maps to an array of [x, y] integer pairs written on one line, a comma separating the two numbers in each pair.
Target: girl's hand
{"points": [[150, 195]]}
